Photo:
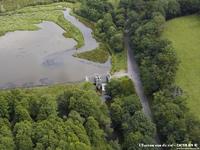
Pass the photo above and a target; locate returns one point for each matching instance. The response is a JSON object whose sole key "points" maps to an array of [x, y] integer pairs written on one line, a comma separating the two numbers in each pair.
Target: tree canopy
{"points": [[75, 119]]}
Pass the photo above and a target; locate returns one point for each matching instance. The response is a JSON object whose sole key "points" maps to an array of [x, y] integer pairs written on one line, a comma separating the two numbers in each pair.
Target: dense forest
{"points": [[143, 21], [158, 65], [74, 117]]}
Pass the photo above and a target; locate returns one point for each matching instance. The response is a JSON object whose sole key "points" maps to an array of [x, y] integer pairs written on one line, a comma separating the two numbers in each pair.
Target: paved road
{"points": [[133, 73]]}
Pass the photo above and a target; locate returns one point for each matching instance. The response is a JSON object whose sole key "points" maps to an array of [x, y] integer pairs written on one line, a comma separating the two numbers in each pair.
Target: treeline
{"points": [[76, 119], [131, 126], [73, 117], [102, 12], [158, 65], [144, 21]]}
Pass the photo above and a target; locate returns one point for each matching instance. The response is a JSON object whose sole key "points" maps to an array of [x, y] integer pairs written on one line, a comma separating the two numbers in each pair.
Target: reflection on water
{"points": [[30, 58]]}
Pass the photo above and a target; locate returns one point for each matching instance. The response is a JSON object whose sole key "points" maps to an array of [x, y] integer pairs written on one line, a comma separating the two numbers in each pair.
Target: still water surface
{"points": [[43, 57]]}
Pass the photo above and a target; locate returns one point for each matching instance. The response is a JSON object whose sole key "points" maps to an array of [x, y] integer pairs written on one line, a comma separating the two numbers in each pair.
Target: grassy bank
{"points": [[7, 5], [184, 32], [26, 18], [85, 21], [119, 61], [99, 54]]}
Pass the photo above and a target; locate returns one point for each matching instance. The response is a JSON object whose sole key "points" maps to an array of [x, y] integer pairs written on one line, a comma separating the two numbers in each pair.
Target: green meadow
{"points": [[7, 5], [184, 33]]}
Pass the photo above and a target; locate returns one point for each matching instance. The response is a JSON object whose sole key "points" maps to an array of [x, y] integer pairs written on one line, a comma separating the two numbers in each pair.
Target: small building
{"points": [[100, 81]]}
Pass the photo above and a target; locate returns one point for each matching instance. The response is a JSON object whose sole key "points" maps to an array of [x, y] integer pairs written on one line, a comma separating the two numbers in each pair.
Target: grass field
{"points": [[119, 61], [26, 18], [184, 32], [7, 5]]}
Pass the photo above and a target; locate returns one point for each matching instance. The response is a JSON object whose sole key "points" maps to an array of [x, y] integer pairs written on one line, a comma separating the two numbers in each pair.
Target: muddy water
{"points": [[43, 57], [90, 42]]}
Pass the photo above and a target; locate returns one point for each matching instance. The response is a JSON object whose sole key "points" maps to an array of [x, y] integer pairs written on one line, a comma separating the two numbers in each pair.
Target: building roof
{"points": [[98, 78]]}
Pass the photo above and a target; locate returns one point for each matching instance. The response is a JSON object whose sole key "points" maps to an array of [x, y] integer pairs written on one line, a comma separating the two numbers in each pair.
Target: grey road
{"points": [[133, 73]]}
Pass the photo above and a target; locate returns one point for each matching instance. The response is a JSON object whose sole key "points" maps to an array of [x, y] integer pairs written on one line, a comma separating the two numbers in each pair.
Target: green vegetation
{"points": [[10, 5], [184, 33], [119, 61], [7, 5], [73, 117], [115, 3], [26, 18], [85, 21], [94, 10], [60, 117], [158, 63], [100, 54], [108, 30], [20, 20], [128, 120]]}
